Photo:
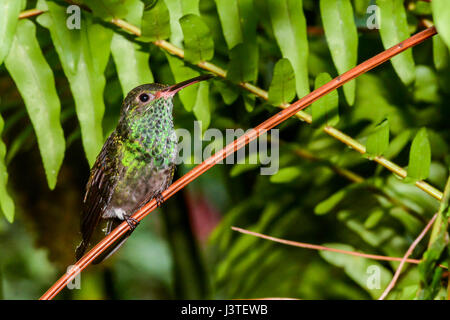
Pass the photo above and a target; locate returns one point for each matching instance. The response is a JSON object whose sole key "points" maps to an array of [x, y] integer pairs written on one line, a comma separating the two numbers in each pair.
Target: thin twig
{"points": [[356, 178], [405, 257], [324, 248], [441, 225]]}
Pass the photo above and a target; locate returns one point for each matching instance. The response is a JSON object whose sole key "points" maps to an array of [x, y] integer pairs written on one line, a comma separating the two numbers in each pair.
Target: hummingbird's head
{"points": [[142, 98]]}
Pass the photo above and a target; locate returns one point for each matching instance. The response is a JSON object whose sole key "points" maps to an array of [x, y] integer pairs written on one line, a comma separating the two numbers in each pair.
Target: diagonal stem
{"points": [[405, 257], [437, 220], [324, 248], [236, 145], [356, 178]]}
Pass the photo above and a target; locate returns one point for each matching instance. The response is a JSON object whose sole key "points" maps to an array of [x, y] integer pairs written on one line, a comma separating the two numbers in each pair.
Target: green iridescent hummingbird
{"points": [[135, 165]]}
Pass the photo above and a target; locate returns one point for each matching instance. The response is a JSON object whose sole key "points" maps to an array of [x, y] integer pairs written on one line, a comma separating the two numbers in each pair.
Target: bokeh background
{"points": [[186, 249]]}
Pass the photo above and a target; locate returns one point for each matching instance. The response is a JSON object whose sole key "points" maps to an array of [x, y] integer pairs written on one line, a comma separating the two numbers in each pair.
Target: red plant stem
{"points": [[236, 145], [405, 257], [323, 248]]}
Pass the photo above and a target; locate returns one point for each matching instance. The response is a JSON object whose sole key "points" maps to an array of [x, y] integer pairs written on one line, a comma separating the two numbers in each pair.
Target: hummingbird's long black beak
{"points": [[172, 90]]}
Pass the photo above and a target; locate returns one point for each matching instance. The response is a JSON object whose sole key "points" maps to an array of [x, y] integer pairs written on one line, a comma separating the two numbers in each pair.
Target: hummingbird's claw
{"points": [[132, 222], [159, 199]]}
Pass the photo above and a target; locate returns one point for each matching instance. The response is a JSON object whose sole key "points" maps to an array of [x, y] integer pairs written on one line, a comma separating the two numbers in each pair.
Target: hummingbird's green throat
{"points": [[135, 164]]}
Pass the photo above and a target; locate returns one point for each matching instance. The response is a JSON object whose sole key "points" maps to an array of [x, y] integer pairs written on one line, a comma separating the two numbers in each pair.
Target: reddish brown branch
{"points": [[405, 257], [236, 145], [323, 248]]}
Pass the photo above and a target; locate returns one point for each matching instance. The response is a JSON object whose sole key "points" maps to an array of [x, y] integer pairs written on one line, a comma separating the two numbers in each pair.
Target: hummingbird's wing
{"points": [[99, 190], [112, 223]]}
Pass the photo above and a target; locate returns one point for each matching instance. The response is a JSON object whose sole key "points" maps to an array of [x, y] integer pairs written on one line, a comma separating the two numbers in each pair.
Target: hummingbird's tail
{"points": [[112, 224]]}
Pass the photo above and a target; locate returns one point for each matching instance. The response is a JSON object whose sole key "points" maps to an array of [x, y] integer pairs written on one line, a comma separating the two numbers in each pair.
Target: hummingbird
{"points": [[135, 165]]}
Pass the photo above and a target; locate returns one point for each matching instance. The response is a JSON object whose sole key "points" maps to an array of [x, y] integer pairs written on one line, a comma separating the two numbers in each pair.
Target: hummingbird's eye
{"points": [[144, 97]]}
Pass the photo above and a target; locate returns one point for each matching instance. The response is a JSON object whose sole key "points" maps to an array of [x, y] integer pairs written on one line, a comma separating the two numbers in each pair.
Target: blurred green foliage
{"points": [[60, 96]]}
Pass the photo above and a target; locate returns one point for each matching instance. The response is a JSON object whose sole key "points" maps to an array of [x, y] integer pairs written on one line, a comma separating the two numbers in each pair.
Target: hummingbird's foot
{"points": [[132, 222], [159, 199]]}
